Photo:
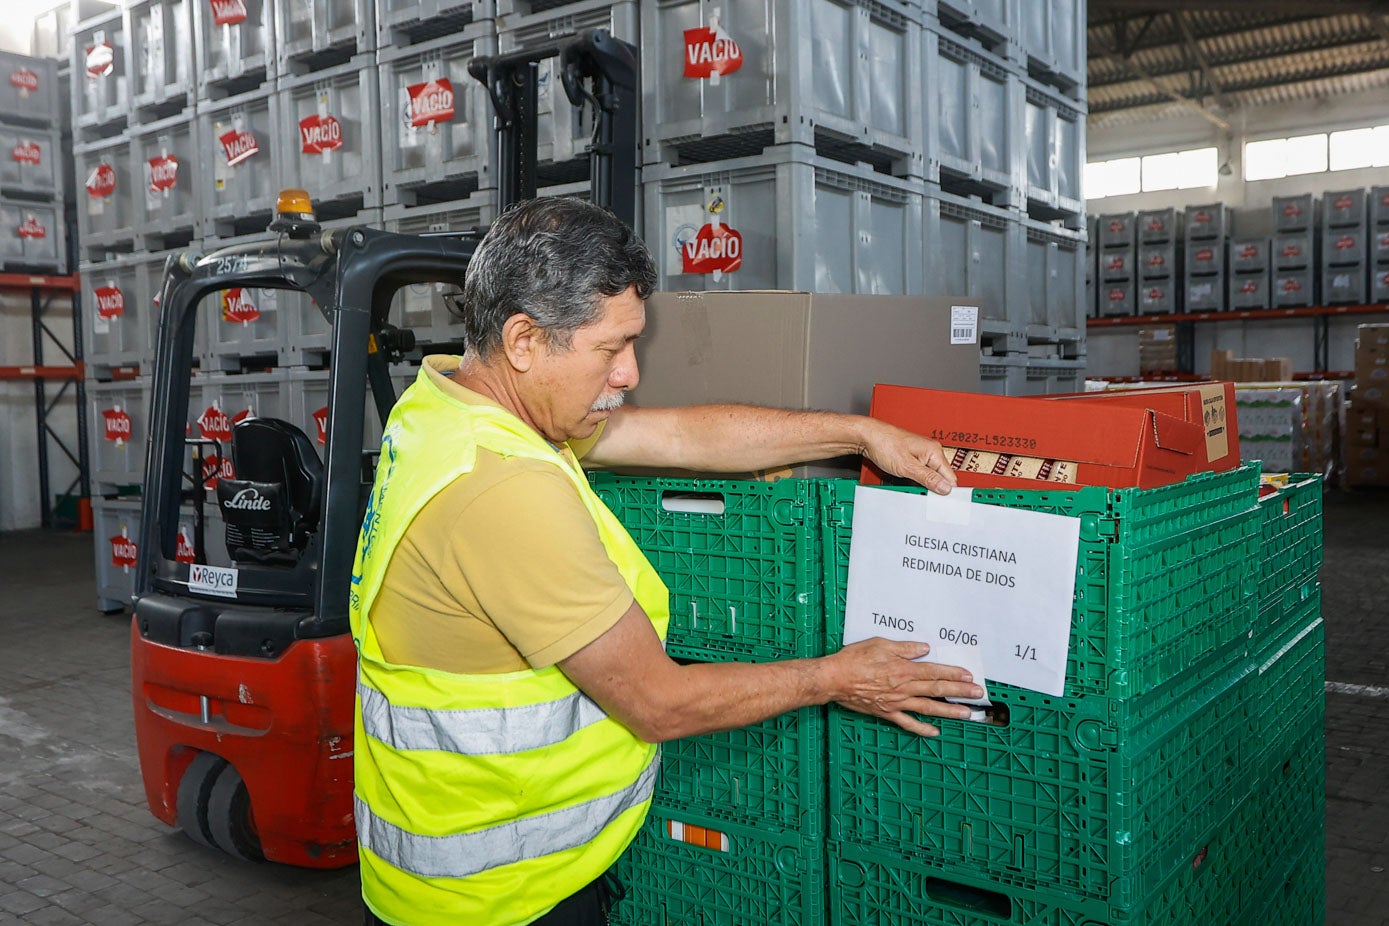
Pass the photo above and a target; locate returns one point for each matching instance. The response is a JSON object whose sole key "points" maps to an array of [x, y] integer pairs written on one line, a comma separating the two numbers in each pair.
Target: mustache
{"points": [[609, 403]]}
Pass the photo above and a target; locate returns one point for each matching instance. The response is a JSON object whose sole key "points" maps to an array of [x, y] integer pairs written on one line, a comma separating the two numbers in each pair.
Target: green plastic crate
{"points": [[762, 879], [1291, 557], [1089, 797], [1292, 679], [872, 885], [1298, 897], [770, 775], [1163, 577], [744, 583]]}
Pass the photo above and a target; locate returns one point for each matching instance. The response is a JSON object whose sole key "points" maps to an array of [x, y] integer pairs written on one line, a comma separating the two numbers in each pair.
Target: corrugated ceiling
{"points": [[1150, 65]]}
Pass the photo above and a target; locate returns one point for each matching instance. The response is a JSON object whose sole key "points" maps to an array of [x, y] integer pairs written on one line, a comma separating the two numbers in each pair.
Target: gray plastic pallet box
{"points": [[240, 170], [1117, 229], [1157, 226], [29, 93], [1345, 245], [100, 77], [308, 32], [161, 63], [168, 158], [32, 236], [1207, 221], [1341, 208], [1294, 213], [1158, 261], [1250, 255], [1158, 297], [1204, 293], [1344, 285], [235, 54], [1294, 250], [329, 137], [30, 162], [1118, 264], [1250, 290]]}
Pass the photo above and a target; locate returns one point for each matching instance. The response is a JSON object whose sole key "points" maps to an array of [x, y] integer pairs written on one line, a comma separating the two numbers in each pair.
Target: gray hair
{"points": [[552, 258]]}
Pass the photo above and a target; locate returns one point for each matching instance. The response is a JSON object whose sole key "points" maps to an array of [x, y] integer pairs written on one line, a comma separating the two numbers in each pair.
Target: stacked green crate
{"points": [[1086, 807], [1291, 555], [736, 831]]}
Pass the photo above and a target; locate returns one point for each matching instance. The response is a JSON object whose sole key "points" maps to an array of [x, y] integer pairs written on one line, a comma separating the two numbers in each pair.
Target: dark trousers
{"points": [[587, 906]]}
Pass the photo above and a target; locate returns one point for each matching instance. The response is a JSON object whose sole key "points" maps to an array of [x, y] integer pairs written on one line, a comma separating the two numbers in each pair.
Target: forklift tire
{"points": [[193, 793], [229, 817]]}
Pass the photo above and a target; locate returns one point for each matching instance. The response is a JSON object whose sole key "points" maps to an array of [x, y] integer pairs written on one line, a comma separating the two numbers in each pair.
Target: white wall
{"points": [[1114, 351]]}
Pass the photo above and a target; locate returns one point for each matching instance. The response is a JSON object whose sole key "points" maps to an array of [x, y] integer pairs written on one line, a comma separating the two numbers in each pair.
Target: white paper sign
{"points": [[990, 589], [964, 324]]}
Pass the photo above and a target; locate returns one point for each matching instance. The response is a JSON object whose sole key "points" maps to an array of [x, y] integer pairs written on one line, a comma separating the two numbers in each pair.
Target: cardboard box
{"points": [[803, 350], [1226, 367], [1097, 443], [1210, 405], [1370, 337]]}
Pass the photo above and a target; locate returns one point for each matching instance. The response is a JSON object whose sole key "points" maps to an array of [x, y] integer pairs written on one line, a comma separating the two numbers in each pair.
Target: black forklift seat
{"points": [[271, 507]]}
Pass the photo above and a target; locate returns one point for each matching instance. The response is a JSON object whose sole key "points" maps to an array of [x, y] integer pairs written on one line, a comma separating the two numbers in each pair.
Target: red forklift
{"points": [[243, 672]]}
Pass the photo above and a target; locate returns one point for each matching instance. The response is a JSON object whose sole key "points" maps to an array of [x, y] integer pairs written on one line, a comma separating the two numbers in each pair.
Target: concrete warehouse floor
{"points": [[78, 845]]}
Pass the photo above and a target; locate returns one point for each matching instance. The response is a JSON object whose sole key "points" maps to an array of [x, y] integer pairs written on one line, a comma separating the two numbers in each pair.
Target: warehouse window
{"points": [[1170, 170], [1285, 157], [1360, 148]]}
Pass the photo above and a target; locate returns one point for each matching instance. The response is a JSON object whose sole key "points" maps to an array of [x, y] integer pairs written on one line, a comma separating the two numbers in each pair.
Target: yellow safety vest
{"points": [[482, 799]]}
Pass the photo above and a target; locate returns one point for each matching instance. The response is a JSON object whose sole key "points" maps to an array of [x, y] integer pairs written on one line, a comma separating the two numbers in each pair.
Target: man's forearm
{"points": [[727, 438]]}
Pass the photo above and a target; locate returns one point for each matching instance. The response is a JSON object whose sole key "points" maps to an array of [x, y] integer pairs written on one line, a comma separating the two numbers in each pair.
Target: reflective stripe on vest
{"points": [[464, 854], [477, 731]]}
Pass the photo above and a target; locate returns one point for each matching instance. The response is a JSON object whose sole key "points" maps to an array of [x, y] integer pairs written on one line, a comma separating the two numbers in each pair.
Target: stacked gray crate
{"points": [[1295, 244], [322, 34], [1205, 257], [1345, 247], [32, 222], [1250, 265], [100, 77], [1116, 260], [329, 138], [1159, 262], [1379, 244]]}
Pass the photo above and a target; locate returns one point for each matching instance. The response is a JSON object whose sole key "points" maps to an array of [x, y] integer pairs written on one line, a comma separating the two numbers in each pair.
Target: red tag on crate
{"points": [[238, 307], [213, 424], [101, 182], [27, 152], [1344, 202], [1345, 242], [1249, 252], [24, 80], [163, 173], [101, 59], [320, 418], [117, 425], [184, 551], [318, 134], [32, 227], [214, 468], [1291, 285], [431, 102], [710, 51], [1292, 210], [123, 550], [228, 12], [1249, 288], [238, 146], [110, 301], [713, 248]]}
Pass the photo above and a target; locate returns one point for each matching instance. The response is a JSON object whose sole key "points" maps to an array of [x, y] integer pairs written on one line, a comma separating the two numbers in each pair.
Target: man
{"points": [[512, 677]]}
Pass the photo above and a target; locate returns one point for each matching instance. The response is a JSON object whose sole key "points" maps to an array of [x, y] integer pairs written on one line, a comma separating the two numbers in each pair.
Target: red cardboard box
{"points": [[1096, 443], [1210, 405]]}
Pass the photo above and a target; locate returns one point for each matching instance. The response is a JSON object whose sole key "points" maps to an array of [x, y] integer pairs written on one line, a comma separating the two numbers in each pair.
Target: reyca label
{"points": [[212, 580]]}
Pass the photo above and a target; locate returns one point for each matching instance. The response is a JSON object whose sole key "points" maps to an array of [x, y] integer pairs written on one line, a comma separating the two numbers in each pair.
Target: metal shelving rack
{"points": [[42, 290], [1186, 322]]}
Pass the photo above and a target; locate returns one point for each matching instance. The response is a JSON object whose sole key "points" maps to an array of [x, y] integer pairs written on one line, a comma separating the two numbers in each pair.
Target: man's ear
{"points": [[521, 338]]}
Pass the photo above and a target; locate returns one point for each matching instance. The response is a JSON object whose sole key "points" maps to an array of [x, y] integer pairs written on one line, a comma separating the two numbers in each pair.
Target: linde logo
{"points": [[711, 51], [123, 551], [228, 12], [101, 59], [248, 499], [101, 182], [238, 306], [110, 301], [714, 249], [238, 146], [430, 102], [24, 80], [116, 424], [27, 152], [163, 173], [32, 227], [320, 134]]}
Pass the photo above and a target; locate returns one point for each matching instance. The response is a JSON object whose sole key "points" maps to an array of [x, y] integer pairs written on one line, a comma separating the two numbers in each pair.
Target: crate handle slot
{"points": [[709, 503], [969, 899]]}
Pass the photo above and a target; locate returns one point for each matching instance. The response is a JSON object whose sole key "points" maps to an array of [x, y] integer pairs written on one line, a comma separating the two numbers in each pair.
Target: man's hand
{"points": [[911, 456], [879, 678]]}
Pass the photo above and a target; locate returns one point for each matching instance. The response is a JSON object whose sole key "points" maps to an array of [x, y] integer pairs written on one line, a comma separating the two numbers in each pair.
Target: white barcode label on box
{"points": [[964, 324]]}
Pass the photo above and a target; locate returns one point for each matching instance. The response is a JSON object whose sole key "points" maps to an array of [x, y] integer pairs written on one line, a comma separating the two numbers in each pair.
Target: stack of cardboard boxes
{"points": [[1367, 419], [1157, 349], [1225, 366]]}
